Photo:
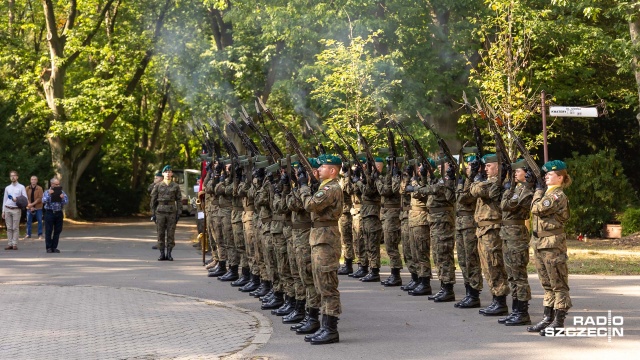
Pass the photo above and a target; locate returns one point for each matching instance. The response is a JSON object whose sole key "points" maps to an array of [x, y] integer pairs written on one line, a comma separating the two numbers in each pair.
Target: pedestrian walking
{"points": [[34, 206], [11, 211], [54, 201]]}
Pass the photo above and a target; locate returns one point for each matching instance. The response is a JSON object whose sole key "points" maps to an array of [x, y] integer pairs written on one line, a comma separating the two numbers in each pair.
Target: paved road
{"points": [[378, 323]]}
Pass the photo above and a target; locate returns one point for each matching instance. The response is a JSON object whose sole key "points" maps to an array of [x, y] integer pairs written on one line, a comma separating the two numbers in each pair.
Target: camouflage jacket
{"points": [[488, 214], [550, 212], [516, 202], [370, 199], [324, 205], [465, 206], [166, 198]]}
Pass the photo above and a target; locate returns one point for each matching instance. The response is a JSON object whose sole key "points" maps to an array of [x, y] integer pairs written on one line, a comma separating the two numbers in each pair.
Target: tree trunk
{"points": [[12, 16], [634, 30]]}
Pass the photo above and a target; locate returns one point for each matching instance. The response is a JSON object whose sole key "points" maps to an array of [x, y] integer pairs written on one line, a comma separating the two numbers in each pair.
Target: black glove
{"points": [[451, 172], [506, 169], [219, 167], [284, 178], [345, 168], [409, 189], [302, 177], [461, 180], [475, 168], [506, 185], [540, 184], [358, 172], [395, 171], [208, 167], [408, 169], [389, 159], [177, 217], [223, 177], [423, 170], [277, 189], [238, 172], [479, 177], [259, 174], [529, 177]]}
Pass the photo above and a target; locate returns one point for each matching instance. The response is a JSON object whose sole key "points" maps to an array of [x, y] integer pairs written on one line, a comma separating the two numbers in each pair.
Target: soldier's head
{"points": [[520, 170], [379, 164], [329, 167], [556, 174], [491, 164], [158, 177], [167, 172]]}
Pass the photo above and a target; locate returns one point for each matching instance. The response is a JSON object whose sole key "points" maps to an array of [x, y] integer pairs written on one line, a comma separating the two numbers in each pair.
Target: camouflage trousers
{"points": [[229, 243], [297, 290], [249, 243], [553, 273], [392, 238], [218, 235], [468, 258], [420, 240], [282, 263], [212, 237], [346, 235], [166, 227], [303, 258], [492, 262], [515, 247], [358, 241], [406, 245], [325, 260], [258, 247], [239, 242], [270, 261], [372, 234], [442, 237]]}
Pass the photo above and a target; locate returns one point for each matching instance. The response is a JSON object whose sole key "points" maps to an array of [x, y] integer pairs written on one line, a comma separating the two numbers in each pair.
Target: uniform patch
{"points": [[546, 203], [555, 196], [320, 194], [326, 188], [515, 196]]}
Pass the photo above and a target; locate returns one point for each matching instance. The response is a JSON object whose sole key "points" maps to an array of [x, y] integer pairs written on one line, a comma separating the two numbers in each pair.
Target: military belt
{"points": [[266, 220], [419, 208], [249, 208], [406, 208], [440, 209], [392, 206], [238, 208], [301, 226], [166, 202], [278, 218], [489, 222], [319, 224], [224, 206], [464, 213], [367, 202], [512, 222], [541, 234]]}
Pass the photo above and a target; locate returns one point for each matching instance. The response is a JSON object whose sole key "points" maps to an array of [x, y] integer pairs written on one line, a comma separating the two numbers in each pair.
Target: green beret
{"points": [[519, 164], [330, 160], [378, 159], [489, 158], [314, 163], [433, 163], [158, 173], [470, 158], [554, 165], [469, 150], [166, 168]]}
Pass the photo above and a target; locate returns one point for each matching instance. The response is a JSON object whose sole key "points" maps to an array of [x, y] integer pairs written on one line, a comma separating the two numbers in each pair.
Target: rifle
{"points": [[371, 160], [246, 140], [501, 149], [293, 143], [267, 143], [444, 147], [313, 133], [277, 154], [408, 154], [352, 152], [424, 159], [391, 142], [476, 130]]}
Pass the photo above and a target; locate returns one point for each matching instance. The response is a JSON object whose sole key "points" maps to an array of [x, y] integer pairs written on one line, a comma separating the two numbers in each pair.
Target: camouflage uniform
{"points": [[216, 220], [301, 229], [371, 225], [488, 218], [248, 225], [441, 198], [390, 214], [211, 204], [280, 215], [165, 199], [515, 205], [466, 240], [360, 248], [345, 223], [257, 231], [237, 212], [405, 230], [263, 199], [325, 207], [550, 212], [419, 236], [224, 191]]}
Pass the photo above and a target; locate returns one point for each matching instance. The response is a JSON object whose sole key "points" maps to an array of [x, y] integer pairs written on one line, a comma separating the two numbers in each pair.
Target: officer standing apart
{"points": [[325, 207], [156, 180], [166, 199]]}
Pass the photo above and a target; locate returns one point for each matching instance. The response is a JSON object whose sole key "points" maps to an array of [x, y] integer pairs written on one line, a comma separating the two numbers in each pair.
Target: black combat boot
{"points": [[473, 300], [501, 307], [361, 272], [268, 296], [231, 274], [447, 295], [244, 279], [466, 295], [514, 311], [311, 325], [222, 269], [522, 316], [438, 293], [412, 284], [286, 308], [169, 257], [329, 334], [301, 323], [162, 257], [423, 288], [346, 268], [557, 324], [372, 276], [323, 322], [251, 285], [394, 279], [491, 306], [265, 290], [276, 301], [546, 320], [297, 314]]}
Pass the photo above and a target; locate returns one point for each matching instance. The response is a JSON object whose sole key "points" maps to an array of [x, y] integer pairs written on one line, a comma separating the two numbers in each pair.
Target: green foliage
{"points": [[599, 190], [630, 221]]}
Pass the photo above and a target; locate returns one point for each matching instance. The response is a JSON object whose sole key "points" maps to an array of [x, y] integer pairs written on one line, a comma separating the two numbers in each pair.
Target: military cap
{"points": [[400, 159], [433, 163], [261, 164], [519, 164], [158, 173], [294, 159], [330, 160], [554, 165], [470, 158], [378, 159], [314, 163], [227, 162], [489, 158], [411, 162], [469, 150], [272, 168], [167, 168]]}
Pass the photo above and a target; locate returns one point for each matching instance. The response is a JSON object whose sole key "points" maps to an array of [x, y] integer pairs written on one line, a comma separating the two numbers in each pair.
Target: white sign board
{"points": [[568, 111], [196, 188]]}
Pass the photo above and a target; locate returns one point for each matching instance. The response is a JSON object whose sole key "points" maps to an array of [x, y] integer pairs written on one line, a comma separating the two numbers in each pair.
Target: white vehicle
{"points": [[187, 178]]}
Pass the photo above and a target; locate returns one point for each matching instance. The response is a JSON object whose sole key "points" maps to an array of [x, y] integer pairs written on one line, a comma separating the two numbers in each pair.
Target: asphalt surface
{"points": [[377, 322]]}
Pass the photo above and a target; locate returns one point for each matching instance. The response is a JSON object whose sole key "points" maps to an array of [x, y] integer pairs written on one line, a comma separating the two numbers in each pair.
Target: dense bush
{"points": [[630, 221], [599, 190]]}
